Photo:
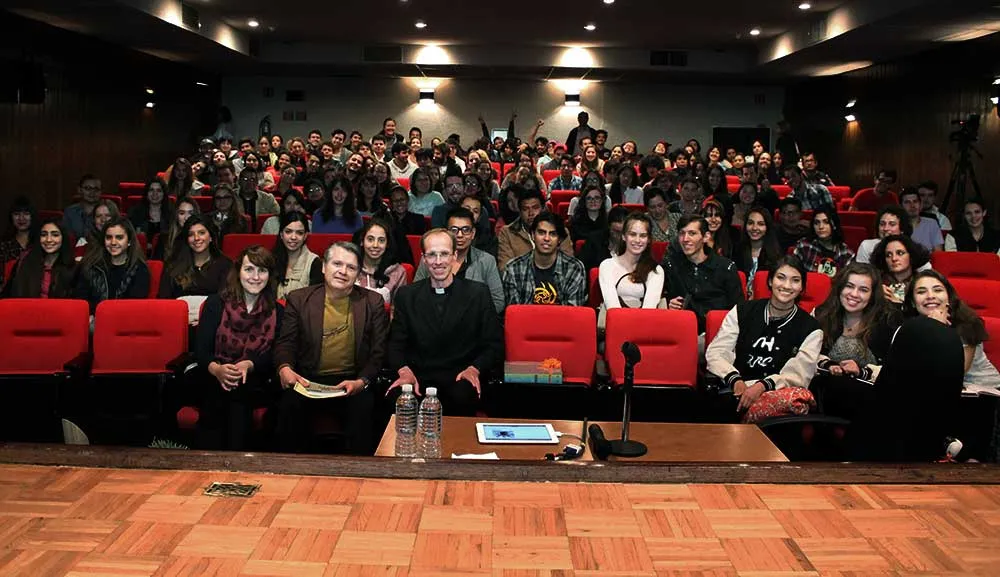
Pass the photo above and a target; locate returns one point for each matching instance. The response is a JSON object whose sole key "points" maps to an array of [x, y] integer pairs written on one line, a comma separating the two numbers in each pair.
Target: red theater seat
{"points": [[548, 175], [556, 197], [130, 201], [131, 188], [233, 244], [668, 340], [659, 250], [318, 243], [981, 265], [155, 273], [594, 296], [204, 203], [782, 190], [839, 192], [410, 272], [992, 346], [539, 332], [862, 218], [261, 219], [404, 182], [40, 336], [854, 235], [113, 198], [138, 336], [732, 179], [981, 295], [817, 287], [713, 322], [415, 248]]}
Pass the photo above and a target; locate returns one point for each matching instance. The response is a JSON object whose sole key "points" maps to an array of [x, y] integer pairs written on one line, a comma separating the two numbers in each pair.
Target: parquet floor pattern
{"points": [[86, 522]]}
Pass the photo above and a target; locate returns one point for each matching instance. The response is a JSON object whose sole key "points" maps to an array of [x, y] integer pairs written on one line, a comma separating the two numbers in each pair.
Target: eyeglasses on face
{"points": [[460, 230]]}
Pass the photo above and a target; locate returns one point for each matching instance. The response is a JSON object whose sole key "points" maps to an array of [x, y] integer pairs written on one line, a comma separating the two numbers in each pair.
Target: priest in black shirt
{"points": [[445, 332]]}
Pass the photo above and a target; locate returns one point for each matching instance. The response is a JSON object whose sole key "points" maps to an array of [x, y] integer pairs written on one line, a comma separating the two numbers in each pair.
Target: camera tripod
{"points": [[961, 175]]}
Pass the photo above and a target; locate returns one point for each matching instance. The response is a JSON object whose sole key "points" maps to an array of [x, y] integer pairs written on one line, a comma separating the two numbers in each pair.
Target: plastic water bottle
{"points": [[406, 423], [429, 426]]}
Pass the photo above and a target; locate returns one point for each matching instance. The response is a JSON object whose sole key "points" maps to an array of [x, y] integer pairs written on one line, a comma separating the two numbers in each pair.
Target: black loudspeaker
{"points": [[24, 84]]}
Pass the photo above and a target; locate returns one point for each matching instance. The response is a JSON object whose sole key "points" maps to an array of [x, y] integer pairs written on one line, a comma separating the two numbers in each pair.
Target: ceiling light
{"points": [[149, 91], [201, 84], [253, 23], [850, 118], [590, 27], [755, 32], [995, 100], [996, 82], [426, 96], [421, 24], [805, 6], [150, 104], [851, 103], [572, 100], [609, 2]]}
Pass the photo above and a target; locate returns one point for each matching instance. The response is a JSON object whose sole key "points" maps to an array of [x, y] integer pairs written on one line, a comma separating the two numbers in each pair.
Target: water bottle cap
{"points": [[431, 391], [407, 388]]}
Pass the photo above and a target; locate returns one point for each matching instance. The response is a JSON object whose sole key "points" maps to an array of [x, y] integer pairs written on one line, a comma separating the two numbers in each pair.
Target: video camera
{"points": [[968, 131]]}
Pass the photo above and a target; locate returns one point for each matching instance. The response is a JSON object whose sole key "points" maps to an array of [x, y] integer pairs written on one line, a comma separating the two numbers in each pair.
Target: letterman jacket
{"points": [[753, 347]]}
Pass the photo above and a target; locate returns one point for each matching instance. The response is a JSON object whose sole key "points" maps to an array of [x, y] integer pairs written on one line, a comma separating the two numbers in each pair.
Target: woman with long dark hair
{"points": [[114, 270], [152, 216], [824, 250], [625, 189], [369, 198], [632, 278], [291, 202], [338, 215], [975, 233], [20, 232], [196, 266], [295, 265], [722, 238], [380, 268], [180, 179], [234, 346], [227, 211], [590, 216], [164, 243], [47, 268], [758, 248]]}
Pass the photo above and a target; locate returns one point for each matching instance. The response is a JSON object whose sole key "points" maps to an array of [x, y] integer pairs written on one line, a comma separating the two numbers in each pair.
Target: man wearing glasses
{"points": [[875, 198], [545, 276], [78, 218], [470, 262], [454, 192], [445, 331]]}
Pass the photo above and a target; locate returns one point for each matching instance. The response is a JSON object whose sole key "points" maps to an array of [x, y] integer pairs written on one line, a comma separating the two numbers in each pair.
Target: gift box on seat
{"points": [[545, 372]]}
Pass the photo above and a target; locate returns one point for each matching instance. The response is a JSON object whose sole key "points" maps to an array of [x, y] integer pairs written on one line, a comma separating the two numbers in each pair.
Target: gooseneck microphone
{"points": [[626, 447]]}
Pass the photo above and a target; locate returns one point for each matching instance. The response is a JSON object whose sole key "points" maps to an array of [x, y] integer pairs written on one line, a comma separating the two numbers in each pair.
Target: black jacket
{"points": [[712, 285], [94, 284], [594, 250]]}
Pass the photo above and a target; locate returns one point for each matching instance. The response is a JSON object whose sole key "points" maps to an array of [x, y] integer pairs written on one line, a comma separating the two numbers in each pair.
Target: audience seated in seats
{"points": [[422, 198], [916, 396], [722, 237], [879, 196], [339, 214], [811, 172], [766, 350], [757, 248], [335, 334], [180, 180], [227, 212], [291, 202], [766, 196], [445, 331], [104, 212], [152, 216], [824, 250], [470, 263], [400, 165], [485, 171], [404, 223], [663, 219], [624, 189], [566, 179], [928, 204], [286, 181], [690, 200], [744, 199], [858, 326], [268, 154], [545, 276], [295, 265], [590, 216], [738, 162], [380, 268], [975, 233], [20, 232], [225, 173], [897, 257], [766, 168], [196, 265], [454, 192], [265, 179], [590, 161], [603, 245], [78, 218], [651, 166], [630, 278], [486, 239], [931, 295], [47, 268], [165, 243], [115, 269], [812, 194], [315, 194], [508, 207], [714, 186], [254, 200], [514, 239], [696, 278], [925, 230], [791, 228], [313, 169], [234, 347], [890, 220], [368, 199]]}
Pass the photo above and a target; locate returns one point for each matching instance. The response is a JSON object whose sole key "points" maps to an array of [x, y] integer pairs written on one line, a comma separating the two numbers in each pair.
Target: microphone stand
{"points": [[626, 447]]}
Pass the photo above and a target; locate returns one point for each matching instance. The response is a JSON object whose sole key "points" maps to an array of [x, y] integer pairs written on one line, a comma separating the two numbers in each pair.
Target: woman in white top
{"points": [[625, 189], [380, 271], [292, 202], [296, 265], [632, 279], [890, 220]]}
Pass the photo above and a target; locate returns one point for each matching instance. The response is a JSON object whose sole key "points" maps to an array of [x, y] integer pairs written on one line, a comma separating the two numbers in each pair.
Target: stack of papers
{"points": [[318, 391]]}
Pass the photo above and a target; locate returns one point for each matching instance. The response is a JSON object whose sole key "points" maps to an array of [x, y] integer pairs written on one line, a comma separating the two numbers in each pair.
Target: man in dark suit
{"points": [[404, 223], [334, 334], [445, 331]]}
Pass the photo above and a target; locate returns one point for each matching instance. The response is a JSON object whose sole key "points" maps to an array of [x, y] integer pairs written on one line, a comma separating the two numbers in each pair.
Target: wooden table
{"points": [[680, 442]]}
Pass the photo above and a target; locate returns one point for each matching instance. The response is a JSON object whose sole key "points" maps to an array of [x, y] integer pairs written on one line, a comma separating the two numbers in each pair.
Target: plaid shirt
{"points": [[557, 183], [817, 258], [570, 276], [813, 195]]}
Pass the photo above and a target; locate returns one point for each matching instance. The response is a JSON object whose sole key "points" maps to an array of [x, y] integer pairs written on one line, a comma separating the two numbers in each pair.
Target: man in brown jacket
{"points": [[334, 334], [514, 239]]}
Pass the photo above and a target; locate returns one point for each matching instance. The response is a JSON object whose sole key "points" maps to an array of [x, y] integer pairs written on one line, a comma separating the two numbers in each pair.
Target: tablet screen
{"points": [[515, 433]]}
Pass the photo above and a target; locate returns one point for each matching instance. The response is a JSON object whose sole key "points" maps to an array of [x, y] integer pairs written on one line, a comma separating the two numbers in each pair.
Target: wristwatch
{"points": [[365, 382]]}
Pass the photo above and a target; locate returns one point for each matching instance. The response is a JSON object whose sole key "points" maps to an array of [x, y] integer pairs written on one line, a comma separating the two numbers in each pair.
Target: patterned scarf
{"points": [[243, 333]]}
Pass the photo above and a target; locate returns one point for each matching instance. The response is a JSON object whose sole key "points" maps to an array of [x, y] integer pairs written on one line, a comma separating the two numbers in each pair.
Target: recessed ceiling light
{"points": [[995, 100], [851, 103], [590, 27], [996, 82], [200, 84], [150, 104], [149, 91], [850, 118], [609, 2], [755, 32], [421, 24], [805, 6], [253, 23]]}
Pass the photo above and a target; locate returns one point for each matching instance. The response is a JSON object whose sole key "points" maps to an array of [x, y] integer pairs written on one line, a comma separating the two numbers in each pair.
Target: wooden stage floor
{"points": [[80, 521]]}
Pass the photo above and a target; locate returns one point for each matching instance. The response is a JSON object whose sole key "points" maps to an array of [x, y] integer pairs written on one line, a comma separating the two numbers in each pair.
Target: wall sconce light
{"points": [[851, 118], [573, 99], [150, 104], [995, 100], [851, 103], [426, 96]]}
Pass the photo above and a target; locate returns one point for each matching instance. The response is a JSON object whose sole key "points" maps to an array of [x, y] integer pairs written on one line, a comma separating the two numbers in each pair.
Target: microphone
{"points": [[600, 447], [631, 352]]}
